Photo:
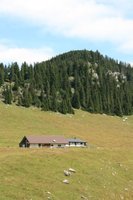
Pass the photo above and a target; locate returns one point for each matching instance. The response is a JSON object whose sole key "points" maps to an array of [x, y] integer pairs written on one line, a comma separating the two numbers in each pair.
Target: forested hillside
{"points": [[77, 79]]}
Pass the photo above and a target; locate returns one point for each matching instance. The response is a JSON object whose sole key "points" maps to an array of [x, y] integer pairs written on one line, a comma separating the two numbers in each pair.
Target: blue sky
{"points": [[36, 30]]}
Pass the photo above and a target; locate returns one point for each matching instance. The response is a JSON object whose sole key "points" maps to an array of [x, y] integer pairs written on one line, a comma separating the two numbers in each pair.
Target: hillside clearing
{"points": [[103, 170], [100, 174], [98, 130]]}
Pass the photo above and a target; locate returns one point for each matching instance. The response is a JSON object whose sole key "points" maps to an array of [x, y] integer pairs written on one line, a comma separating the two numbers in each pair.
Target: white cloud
{"points": [[14, 54], [61, 15], [95, 20]]}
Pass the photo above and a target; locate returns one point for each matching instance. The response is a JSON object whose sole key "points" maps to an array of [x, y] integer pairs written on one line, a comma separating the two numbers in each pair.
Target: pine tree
{"points": [[45, 104], [26, 100], [63, 106], [1, 74], [37, 101], [8, 95], [16, 83], [82, 97], [75, 100]]}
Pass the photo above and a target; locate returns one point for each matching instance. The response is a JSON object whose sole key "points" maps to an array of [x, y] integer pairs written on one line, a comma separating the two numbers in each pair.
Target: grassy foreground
{"points": [[104, 170]]}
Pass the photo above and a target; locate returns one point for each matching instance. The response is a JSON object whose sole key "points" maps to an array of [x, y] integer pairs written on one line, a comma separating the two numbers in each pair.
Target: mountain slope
{"points": [[77, 79], [99, 130], [103, 170]]}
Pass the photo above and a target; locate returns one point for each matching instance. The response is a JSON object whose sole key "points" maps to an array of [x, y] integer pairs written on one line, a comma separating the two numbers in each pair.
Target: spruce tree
{"points": [[76, 100], [8, 95], [26, 100], [1, 74]]}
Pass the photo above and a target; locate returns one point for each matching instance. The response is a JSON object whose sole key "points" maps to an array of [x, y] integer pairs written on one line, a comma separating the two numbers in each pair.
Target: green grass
{"points": [[104, 170]]}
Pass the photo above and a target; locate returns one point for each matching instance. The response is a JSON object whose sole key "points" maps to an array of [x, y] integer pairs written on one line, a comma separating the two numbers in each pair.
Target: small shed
{"points": [[75, 142], [43, 141]]}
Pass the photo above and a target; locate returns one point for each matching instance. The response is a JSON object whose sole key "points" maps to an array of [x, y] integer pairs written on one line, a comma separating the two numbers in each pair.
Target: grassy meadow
{"points": [[104, 170]]}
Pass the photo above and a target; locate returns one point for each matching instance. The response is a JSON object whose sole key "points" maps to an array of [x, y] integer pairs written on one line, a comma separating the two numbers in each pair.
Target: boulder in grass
{"points": [[71, 170], [83, 197], [67, 173], [48, 192], [66, 181]]}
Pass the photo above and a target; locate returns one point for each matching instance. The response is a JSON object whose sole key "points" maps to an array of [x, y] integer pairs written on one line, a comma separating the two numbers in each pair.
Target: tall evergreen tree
{"points": [[8, 95], [1, 74]]}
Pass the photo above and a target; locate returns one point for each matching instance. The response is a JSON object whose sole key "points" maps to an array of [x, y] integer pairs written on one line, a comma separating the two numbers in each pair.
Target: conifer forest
{"points": [[78, 79]]}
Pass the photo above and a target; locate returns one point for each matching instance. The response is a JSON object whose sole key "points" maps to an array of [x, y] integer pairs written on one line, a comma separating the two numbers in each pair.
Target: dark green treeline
{"points": [[77, 79]]}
